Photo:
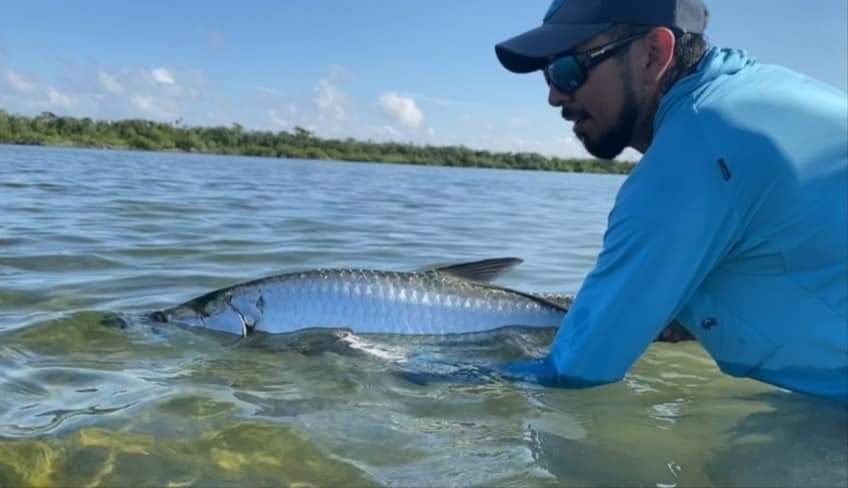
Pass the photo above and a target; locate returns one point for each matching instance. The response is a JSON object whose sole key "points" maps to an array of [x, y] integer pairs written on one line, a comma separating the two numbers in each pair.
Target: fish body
{"points": [[455, 299]]}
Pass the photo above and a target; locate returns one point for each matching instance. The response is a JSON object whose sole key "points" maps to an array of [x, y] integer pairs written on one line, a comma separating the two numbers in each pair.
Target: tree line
{"points": [[53, 130]]}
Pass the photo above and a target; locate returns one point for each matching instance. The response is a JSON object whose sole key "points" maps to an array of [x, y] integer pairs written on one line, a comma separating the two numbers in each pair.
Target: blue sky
{"points": [[421, 71]]}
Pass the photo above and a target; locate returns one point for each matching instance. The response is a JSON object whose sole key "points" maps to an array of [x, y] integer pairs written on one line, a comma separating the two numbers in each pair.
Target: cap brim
{"points": [[530, 51]]}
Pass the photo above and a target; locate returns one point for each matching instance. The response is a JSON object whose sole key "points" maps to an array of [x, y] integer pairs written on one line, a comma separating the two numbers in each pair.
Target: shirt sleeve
{"points": [[673, 220]]}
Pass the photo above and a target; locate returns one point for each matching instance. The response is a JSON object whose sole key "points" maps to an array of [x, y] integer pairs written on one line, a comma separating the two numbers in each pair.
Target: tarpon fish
{"points": [[457, 299]]}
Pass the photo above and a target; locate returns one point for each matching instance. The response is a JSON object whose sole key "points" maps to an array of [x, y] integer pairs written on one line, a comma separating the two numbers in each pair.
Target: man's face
{"points": [[604, 108]]}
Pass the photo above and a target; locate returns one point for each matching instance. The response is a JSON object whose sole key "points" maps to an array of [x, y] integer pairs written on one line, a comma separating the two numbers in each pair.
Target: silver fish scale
{"points": [[369, 301]]}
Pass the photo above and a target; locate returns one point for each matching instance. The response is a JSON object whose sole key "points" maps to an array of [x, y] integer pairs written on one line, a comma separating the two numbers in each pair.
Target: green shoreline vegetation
{"points": [[51, 130]]}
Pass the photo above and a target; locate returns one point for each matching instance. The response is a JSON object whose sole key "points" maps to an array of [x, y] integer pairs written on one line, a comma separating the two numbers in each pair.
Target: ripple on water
{"points": [[267, 454], [60, 262], [19, 241]]}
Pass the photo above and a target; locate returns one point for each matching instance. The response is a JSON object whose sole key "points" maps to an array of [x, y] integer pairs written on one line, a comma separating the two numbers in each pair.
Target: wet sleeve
{"points": [[672, 222]]}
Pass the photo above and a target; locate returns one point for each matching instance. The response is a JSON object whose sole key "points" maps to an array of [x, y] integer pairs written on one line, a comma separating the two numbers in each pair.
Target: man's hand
{"points": [[675, 332], [543, 372], [539, 370]]}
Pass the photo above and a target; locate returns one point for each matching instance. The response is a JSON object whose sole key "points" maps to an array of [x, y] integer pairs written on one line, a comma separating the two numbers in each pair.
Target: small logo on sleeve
{"points": [[725, 171]]}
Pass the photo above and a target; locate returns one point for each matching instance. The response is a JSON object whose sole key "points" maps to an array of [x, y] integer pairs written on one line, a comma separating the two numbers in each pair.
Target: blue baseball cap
{"points": [[567, 23]]}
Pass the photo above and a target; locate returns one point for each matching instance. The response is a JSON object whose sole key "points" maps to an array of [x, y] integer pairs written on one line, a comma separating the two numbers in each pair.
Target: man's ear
{"points": [[659, 45]]}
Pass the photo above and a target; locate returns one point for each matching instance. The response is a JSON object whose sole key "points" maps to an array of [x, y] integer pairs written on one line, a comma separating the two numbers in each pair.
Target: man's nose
{"points": [[557, 98]]}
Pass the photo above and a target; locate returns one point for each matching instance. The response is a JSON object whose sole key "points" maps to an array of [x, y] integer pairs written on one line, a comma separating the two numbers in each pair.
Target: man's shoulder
{"points": [[732, 90], [757, 112], [761, 97]]}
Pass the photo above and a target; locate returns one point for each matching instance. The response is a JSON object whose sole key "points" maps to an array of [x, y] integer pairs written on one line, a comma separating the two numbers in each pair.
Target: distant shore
{"points": [[48, 129]]}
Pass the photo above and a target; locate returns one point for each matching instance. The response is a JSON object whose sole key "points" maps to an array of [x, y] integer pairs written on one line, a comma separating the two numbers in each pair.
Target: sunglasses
{"points": [[567, 72]]}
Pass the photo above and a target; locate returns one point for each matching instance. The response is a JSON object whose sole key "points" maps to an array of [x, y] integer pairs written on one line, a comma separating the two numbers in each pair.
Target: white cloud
{"points": [[55, 98], [156, 107], [447, 103], [629, 154], [163, 76], [142, 102], [109, 82], [330, 100], [402, 109], [123, 92], [277, 120], [19, 83]]}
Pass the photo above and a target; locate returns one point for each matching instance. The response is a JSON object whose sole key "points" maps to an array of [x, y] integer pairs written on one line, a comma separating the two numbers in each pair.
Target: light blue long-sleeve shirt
{"points": [[735, 222]]}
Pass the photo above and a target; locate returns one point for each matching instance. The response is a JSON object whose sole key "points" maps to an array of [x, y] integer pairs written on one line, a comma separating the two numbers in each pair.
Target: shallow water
{"points": [[90, 395]]}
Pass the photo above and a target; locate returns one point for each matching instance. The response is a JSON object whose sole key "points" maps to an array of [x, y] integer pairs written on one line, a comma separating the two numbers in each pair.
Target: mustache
{"points": [[572, 114]]}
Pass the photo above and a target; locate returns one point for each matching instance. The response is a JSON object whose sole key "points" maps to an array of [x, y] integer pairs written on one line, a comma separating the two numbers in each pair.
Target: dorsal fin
{"points": [[480, 271]]}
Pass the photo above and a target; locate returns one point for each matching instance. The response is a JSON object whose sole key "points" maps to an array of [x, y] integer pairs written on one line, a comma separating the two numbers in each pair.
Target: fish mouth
{"points": [[159, 316], [176, 315], [229, 320]]}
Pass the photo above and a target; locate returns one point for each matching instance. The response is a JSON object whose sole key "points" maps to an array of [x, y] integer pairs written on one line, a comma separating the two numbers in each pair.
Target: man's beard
{"points": [[612, 142]]}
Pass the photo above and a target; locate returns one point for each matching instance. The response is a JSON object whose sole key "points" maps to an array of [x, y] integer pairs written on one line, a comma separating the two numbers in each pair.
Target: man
{"points": [[735, 221]]}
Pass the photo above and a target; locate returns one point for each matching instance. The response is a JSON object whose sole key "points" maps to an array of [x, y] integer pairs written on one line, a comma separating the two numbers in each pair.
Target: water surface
{"points": [[86, 235]]}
